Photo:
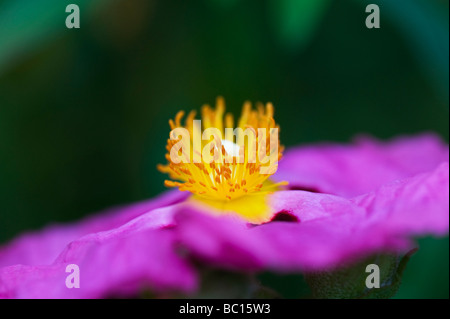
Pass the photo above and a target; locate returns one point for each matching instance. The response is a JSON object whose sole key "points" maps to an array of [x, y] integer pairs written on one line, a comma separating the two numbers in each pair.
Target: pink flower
{"points": [[119, 252], [367, 198], [352, 170], [327, 230]]}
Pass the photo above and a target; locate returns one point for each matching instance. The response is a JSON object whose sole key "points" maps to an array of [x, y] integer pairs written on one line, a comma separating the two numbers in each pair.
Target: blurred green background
{"points": [[83, 112]]}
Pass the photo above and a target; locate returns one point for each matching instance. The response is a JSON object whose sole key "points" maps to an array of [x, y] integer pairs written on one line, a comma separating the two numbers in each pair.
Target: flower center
{"points": [[231, 148], [227, 171]]}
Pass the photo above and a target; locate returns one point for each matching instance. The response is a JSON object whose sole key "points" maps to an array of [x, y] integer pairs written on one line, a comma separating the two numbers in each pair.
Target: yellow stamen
{"points": [[226, 183]]}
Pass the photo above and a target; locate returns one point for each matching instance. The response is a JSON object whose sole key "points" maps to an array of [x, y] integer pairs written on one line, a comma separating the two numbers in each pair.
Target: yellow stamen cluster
{"points": [[223, 179]]}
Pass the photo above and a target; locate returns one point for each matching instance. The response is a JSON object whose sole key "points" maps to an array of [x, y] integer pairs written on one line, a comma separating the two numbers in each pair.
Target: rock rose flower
{"points": [[341, 204]]}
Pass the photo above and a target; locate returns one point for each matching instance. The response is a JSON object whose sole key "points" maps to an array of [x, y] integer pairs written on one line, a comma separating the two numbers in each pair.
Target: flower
{"points": [[231, 181], [342, 203]]}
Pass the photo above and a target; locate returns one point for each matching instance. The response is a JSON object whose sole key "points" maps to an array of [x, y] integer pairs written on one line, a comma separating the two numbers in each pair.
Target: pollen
{"points": [[229, 168]]}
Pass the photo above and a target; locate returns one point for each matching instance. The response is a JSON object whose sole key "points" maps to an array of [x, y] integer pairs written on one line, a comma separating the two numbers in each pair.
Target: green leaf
{"points": [[287, 285], [218, 284], [350, 282]]}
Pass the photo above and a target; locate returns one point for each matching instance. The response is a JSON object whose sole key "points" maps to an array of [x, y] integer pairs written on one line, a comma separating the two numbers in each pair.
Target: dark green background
{"points": [[83, 112]]}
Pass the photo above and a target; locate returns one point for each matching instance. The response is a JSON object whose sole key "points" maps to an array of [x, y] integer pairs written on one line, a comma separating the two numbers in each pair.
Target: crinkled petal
{"points": [[317, 243], [42, 247], [352, 170], [331, 231], [306, 206], [400, 194], [114, 263], [413, 206]]}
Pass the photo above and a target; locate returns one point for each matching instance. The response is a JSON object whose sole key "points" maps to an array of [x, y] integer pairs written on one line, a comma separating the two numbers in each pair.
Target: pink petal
{"points": [[352, 170], [42, 247], [116, 263], [413, 206], [332, 231]]}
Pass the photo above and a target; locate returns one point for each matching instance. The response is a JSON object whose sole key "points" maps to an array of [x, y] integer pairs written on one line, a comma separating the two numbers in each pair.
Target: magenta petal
{"points": [[115, 263], [352, 170], [413, 206], [42, 247], [308, 206], [324, 236], [402, 192], [332, 231], [324, 244], [316, 244]]}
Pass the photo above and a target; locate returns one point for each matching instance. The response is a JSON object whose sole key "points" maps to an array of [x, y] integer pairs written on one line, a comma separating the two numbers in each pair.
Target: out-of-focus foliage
{"points": [[424, 27], [350, 282], [28, 25], [295, 21], [83, 113]]}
